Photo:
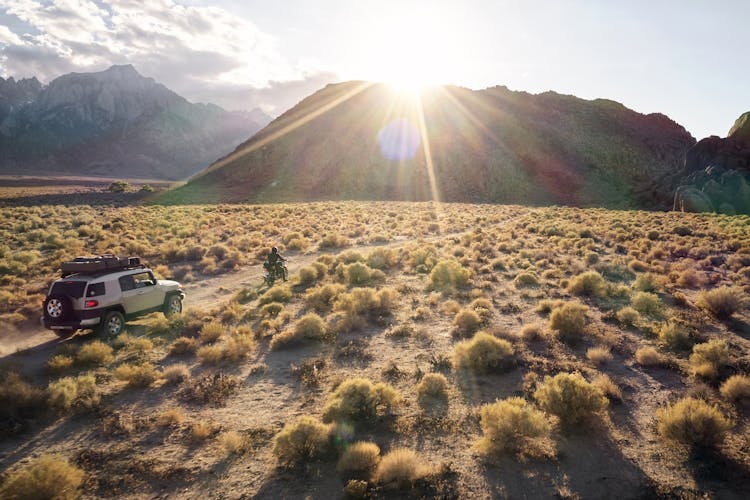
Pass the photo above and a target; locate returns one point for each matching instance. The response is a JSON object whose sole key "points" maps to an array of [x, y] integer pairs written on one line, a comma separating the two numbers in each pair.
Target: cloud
{"points": [[202, 52]]}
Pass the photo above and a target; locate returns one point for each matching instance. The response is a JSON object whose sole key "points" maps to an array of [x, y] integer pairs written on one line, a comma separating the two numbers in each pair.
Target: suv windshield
{"points": [[70, 288]]}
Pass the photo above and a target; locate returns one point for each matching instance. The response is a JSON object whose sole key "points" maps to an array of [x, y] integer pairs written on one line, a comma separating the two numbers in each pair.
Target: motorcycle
{"points": [[279, 271]]}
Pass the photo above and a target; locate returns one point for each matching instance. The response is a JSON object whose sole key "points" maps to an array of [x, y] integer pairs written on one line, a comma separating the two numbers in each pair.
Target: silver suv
{"points": [[105, 299]]}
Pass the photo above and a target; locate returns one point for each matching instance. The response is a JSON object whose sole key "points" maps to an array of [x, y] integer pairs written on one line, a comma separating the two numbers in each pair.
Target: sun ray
{"points": [[428, 157]]}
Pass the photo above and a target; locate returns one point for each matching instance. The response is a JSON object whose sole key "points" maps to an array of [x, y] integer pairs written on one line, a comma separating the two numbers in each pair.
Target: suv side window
{"points": [[126, 283], [143, 279], [95, 290]]}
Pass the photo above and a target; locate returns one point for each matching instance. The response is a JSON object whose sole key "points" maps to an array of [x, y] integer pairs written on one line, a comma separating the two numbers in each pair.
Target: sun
{"points": [[409, 46]]}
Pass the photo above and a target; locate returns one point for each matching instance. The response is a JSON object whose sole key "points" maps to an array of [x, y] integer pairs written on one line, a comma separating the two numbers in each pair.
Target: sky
{"points": [[688, 59]]}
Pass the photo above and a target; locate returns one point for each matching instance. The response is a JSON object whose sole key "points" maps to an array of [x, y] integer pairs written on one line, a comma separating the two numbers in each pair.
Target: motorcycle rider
{"points": [[274, 262]]}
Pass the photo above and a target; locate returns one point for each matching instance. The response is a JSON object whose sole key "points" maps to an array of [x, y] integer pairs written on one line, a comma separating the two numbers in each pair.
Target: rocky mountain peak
{"points": [[741, 129]]}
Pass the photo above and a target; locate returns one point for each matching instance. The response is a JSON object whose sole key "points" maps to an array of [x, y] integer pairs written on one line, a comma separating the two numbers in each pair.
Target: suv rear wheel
{"points": [[112, 324], [173, 305]]}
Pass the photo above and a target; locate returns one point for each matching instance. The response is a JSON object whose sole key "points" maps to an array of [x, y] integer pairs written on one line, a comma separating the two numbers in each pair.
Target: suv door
{"points": [[140, 293]]}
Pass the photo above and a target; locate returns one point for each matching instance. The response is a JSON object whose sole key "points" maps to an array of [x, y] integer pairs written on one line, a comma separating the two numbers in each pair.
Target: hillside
{"points": [[113, 123], [718, 173], [358, 140]]}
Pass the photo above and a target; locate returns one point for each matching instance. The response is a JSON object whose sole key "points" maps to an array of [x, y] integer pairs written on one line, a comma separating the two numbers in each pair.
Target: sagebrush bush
{"points": [[570, 397], [432, 386], [736, 388], [59, 363], [447, 276], [628, 316], [19, 399], [608, 387], [94, 353], [361, 305], [305, 439], [466, 322], [693, 422], [599, 354], [359, 274], [534, 331], [709, 357], [648, 356], [589, 284], [546, 306], [382, 258], [308, 327], [400, 467], [360, 399], [646, 303], [513, 425], [321, 298], [647, 282], [569, 320], [137, 375], [360, 458], [48, 476], [171, 417], [483, 353], [182, 346], [308, 275], [211, 332], [722, 302], [232, 443], [526, 280], [674, 336], [174, 374], [277, 293], [80, 391], [210, 354]]}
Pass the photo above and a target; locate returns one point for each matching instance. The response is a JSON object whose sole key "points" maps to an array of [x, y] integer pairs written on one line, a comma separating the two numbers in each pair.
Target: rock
{"points": [[691, 199]]}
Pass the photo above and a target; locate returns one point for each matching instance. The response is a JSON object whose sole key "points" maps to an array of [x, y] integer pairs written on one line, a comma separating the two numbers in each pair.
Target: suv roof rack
{"points": [[99, 265]]}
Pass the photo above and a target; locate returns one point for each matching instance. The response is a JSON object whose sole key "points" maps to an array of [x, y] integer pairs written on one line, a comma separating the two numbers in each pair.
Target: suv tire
{"points": [[58, 307], [172, 305], [112, 324]]}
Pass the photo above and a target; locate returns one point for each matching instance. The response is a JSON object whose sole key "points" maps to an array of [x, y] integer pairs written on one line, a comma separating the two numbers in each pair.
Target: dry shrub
{"points": [[382, 258], [674, 336], [533, 331], [546, 306], [200, 431], [736, 388], [59, 363], [710, 357], [134, 346], [689, 278], [447, 276], [211, 388], [239, 344], [68, 392], [95, 353], [599, 355], [19, 400], [360, 399], [513, 425], [588, 284], [308, 327], [628, 316], [693, 422], [648, 356], [321, 298], [211, 354], [141, 375], [361, 305], [48, 476], [466, 322], [646, 303], [360, 458], [308, 275], [570, 397], [277, 293], [182, 346], [359, 274], [569, 320], [171, 417], [333, 240], [399, 468], [722, 302], [638, 266], [608, 387], [232, 443], [648, 282], [211, 332], [305, 439], [356, 489], [432, 386], [526, 280], [271, 310], [175, 374], [483, 353]]}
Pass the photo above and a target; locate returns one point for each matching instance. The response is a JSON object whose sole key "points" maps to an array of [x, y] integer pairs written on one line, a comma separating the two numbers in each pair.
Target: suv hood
{"points": [[169, 284]]}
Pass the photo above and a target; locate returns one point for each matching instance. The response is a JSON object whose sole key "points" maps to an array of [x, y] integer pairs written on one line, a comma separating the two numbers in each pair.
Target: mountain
{"points": [[357, 140], [717, 173], [113, 123]]}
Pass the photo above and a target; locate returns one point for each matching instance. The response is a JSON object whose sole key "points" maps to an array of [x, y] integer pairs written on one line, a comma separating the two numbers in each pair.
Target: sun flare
{"points": [[408, 47]]}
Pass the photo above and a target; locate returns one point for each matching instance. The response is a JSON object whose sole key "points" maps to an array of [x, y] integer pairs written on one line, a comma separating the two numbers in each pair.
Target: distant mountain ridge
{"points": [[492, 145], [113, 123]]}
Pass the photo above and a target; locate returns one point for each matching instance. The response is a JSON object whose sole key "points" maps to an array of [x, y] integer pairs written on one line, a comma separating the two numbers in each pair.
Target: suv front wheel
{"points": [[112, 324], [173, 305]]}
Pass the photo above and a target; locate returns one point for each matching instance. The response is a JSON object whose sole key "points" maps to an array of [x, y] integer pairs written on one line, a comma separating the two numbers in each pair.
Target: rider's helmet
{"points": [[274, 250]]}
